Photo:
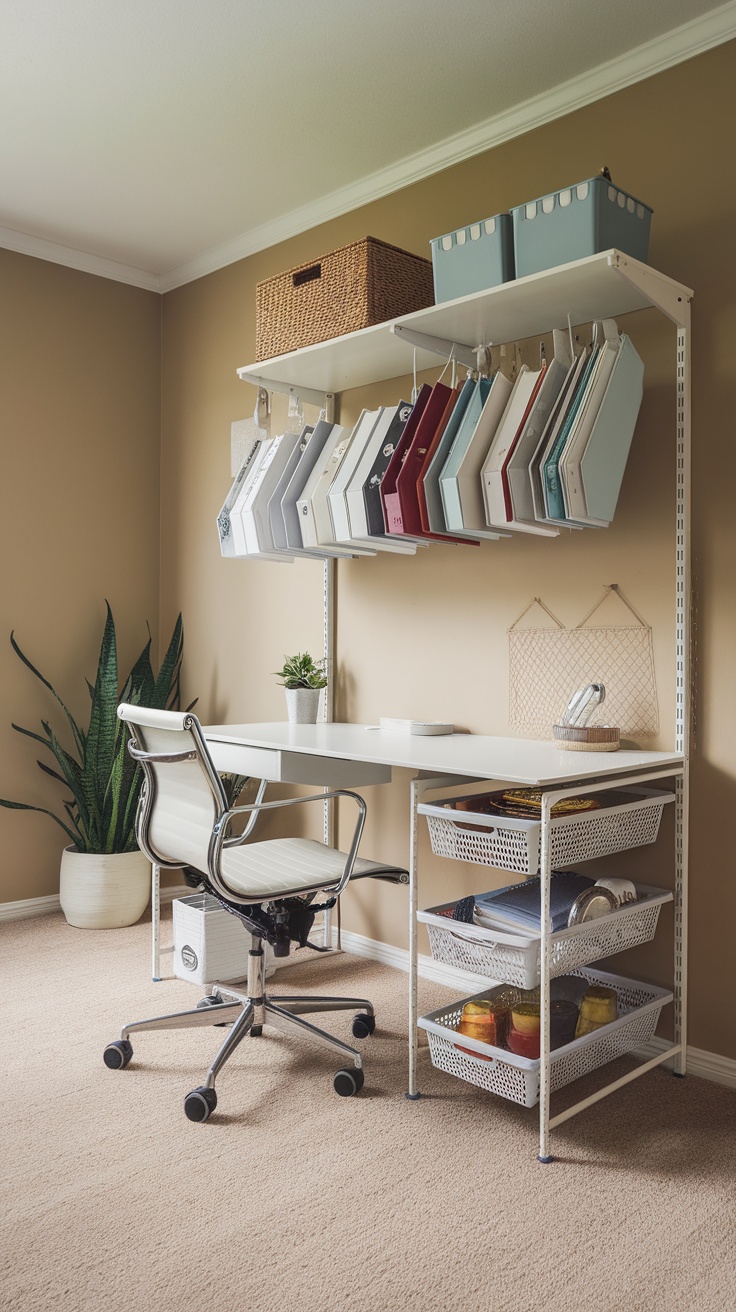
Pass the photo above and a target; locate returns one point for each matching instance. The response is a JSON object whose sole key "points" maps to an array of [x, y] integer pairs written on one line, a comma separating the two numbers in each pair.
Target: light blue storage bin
{"points": [[578, 221], [473, 258]]}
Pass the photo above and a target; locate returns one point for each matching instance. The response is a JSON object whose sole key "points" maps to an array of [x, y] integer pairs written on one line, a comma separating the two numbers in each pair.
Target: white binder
{"points": [[503, 443], [517, 468], [336, 497], [314, 515], [462, 492], [276, 521], [254, 516], [224, 519], [238, 525], [569, 466], [604, 459], [310, 458]]}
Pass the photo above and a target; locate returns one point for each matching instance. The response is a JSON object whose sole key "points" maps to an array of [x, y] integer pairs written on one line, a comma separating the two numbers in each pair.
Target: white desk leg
{"points": [[545, 870], [417, 788]]}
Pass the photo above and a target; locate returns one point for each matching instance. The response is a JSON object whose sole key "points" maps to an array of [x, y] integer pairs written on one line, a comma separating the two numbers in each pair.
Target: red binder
{"points": [[389, 494], [409, 485]]}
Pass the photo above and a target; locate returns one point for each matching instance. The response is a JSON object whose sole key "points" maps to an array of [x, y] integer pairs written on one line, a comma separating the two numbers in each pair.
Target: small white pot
{"points": [[104, 890], [302, 705]]}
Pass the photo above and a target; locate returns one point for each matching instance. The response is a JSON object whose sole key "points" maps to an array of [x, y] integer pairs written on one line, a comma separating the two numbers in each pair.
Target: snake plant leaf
{"points": [[53, 773], [140, 683], [23, 806], [166, 685], [103, 722], [78, 735], [103, 779]]}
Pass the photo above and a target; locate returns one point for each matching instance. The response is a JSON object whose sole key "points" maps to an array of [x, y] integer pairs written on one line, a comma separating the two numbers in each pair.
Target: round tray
{"points": [[595, 738]]}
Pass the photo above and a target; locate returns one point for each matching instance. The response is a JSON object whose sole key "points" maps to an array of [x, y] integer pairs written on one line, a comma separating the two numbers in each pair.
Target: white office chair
{"points": [[183, 821]]}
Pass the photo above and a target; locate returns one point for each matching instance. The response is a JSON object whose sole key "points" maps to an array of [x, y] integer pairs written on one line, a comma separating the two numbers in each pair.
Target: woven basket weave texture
{"points": [[354, 287]]}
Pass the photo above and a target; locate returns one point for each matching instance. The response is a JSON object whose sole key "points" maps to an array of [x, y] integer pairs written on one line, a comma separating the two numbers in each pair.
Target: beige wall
{"points": [[427, 636], [424, 636], [79, 517]]}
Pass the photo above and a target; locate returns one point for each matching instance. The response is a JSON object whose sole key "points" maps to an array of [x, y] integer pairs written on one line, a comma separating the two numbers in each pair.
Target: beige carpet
{"points": [[291, 1198]]}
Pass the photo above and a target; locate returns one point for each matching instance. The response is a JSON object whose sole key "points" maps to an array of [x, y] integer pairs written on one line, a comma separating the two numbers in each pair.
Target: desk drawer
{"points": [[297, 767]]}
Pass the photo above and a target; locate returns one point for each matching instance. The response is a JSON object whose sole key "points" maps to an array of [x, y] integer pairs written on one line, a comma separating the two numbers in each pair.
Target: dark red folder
{"points": [[409, 479], [389, 495]]}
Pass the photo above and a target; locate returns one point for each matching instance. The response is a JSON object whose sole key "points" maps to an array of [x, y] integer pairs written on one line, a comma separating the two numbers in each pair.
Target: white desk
{"points": [[300, 753], [351, 755]]}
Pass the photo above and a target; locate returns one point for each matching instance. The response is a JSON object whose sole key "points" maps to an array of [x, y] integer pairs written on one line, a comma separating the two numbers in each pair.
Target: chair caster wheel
{"points": [[347, 1083], [118, 1054], [211, 1001], [200, 1104], [363, 1025]]}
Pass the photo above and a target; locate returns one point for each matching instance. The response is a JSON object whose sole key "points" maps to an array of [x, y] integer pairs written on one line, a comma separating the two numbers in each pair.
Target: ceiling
{"points": [[153, 142]]}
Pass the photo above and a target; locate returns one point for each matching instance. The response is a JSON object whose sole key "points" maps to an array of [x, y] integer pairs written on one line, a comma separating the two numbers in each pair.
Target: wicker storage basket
{"points": [[358, 285]]}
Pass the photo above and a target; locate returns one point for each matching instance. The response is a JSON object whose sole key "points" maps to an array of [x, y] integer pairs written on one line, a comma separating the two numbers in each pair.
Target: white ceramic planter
{"points": [[104, 891], [302, 705]]}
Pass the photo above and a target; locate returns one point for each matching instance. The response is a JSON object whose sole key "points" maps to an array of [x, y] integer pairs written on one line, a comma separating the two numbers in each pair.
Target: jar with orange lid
{"points": [[485, 1019]]}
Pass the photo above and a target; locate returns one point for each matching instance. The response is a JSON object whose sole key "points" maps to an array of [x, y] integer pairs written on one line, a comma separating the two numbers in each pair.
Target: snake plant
{"points": [[99, 772]]}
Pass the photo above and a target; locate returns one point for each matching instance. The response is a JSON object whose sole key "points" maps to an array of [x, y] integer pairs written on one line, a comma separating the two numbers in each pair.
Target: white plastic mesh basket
{"points": [[517, 1078], [510, 844], [514, 958]]}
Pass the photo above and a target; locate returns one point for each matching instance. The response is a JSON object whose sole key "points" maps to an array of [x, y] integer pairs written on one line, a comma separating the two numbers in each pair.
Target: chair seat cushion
{"points": [[280, 867]]}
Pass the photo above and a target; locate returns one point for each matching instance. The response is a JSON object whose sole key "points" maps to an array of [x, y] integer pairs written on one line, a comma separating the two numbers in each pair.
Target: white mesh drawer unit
{"points": [[517, 1078], [514, 957], [509, 843]]}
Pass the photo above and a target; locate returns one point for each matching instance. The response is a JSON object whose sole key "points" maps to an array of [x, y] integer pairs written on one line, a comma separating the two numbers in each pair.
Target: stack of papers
{"points": [[518, 906]]}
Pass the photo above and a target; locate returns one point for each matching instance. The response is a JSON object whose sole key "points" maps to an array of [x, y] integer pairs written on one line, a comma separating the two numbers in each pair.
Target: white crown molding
{"points": [[645, 61], [653, 57], [41, 249]]}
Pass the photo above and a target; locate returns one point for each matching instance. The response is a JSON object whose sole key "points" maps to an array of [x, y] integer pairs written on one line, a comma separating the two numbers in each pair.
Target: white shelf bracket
{"points": [[670, 298], [307, 394], [466, 355]]}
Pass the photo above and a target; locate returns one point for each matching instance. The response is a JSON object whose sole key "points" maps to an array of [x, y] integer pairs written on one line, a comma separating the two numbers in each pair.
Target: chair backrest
{"points": [[183, 797]]}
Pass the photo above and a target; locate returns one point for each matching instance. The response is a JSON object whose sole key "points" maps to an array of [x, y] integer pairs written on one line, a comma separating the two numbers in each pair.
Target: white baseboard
{"points": [[707, 1065], [30, 906], [46, 906]]}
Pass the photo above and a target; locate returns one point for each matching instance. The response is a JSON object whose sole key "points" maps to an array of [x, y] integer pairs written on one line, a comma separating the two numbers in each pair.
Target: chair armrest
{"points": [[237, 839], [220, 830]]}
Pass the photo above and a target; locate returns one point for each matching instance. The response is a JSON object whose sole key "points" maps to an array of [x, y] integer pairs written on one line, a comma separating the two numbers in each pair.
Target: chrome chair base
{"points": [[247, 1012]]}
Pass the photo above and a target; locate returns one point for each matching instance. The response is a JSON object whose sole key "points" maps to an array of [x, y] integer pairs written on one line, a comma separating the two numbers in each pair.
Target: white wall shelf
{"points": [[526, 307]]}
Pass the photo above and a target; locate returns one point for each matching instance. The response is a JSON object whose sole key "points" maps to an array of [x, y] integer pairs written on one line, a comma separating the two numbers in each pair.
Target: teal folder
{"points": [[555, 504], [448, 478]]}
